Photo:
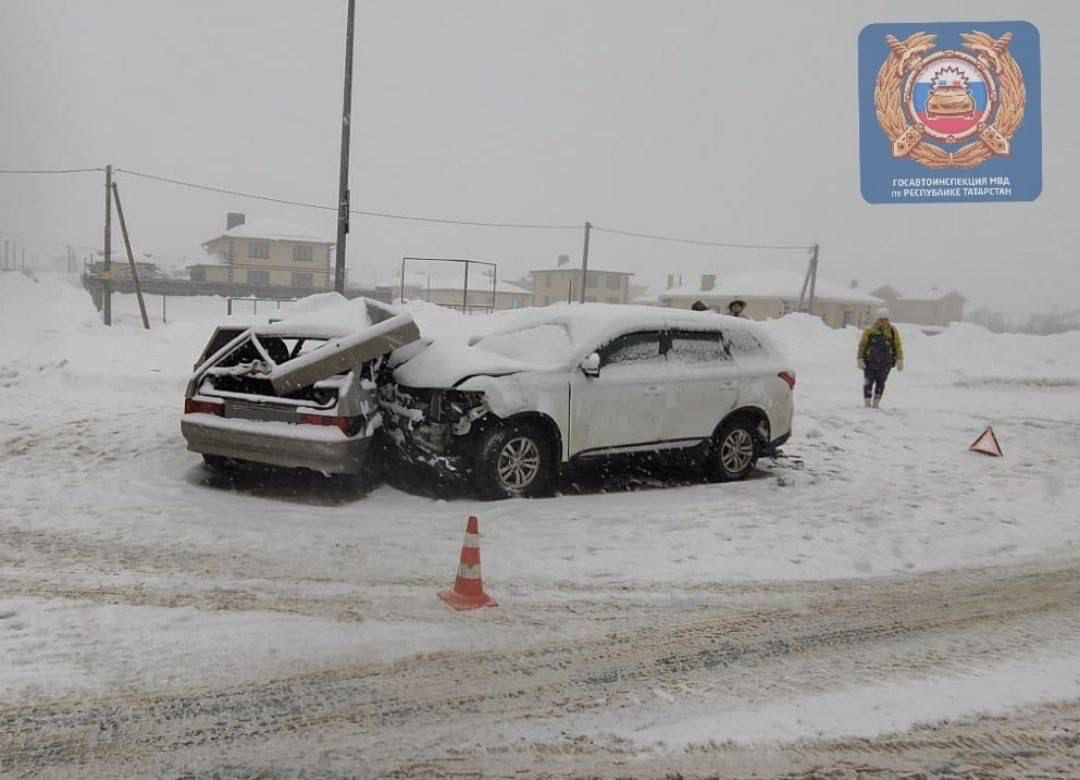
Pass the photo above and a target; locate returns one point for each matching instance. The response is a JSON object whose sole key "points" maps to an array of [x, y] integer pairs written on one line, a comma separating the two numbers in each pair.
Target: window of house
{"points": [[303, 280], [632, 348], [258, 277], [614, 282], [198, 274], [303, 253], [259, 250], [592, 279]]}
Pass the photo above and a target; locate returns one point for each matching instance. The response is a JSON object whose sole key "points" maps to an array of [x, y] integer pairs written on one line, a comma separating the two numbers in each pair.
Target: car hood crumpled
{"points": [[446, 363]]}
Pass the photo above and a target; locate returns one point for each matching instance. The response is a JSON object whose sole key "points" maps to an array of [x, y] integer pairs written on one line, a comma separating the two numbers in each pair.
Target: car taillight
{"points": [[344, 424], [191, 406], [789, 377]]}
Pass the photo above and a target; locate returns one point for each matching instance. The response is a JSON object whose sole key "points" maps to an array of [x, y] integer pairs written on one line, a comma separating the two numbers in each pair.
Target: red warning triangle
{"points": [[987, 444]]}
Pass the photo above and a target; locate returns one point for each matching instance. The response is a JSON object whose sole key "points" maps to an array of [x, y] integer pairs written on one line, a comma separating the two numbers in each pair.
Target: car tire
{"points": [[733, 452], [219, 464], [514, 460]]}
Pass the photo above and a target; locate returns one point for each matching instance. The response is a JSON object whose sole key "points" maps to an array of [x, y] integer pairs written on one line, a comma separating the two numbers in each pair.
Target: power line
{"points": [[723, 244], [322, 207], [35, 240], [52, 170]]}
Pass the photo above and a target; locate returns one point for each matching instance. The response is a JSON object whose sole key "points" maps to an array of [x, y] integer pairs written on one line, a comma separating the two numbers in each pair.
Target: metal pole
{"points": [[585, 261], [401, 299], [805, 285], [163, 319], [106, 287], [131, 258], [343, 182], [7, 241], [24, 258], [465, 295], [813, 276]]}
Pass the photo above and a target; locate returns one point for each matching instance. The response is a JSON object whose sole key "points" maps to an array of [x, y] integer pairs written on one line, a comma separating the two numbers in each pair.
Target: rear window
{"points": [[546, 344], [744, 344], [696, 347]]}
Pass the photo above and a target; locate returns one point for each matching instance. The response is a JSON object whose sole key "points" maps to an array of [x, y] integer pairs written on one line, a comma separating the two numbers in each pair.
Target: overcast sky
{"points": [[717, 120]]}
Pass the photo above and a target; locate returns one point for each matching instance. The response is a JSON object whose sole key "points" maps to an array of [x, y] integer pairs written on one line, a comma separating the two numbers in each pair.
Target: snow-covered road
{"points": [[131, 578]]}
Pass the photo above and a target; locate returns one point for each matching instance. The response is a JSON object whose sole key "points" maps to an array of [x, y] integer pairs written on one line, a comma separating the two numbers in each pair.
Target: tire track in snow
{"points": [[400, 701]]}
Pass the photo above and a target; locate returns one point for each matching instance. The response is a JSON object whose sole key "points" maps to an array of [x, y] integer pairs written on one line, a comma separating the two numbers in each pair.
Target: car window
{"points": [[633, 348], [696, 347], [744, 344]]}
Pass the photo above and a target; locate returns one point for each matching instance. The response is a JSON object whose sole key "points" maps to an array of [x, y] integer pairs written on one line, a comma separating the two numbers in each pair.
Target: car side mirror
{"points": [[590, 366]]}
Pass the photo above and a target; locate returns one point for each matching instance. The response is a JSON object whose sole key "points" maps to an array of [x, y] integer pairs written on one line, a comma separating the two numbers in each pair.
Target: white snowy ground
{"points": [[125, 566]]}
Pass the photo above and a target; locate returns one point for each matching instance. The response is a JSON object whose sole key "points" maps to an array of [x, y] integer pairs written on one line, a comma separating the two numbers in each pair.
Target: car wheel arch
{"points": [[544, 422], [758, 419]]}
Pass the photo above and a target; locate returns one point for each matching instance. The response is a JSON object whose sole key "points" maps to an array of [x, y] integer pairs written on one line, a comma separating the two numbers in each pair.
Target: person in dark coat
{"points": [[880, 349]]}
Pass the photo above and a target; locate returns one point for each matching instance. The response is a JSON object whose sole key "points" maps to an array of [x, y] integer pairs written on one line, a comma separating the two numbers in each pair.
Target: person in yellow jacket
{"points": [[880, 349]]}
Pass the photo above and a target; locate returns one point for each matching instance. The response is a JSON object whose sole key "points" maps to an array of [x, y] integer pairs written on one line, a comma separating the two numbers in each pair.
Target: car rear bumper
{"points": [[775, 445], [322, 449]]}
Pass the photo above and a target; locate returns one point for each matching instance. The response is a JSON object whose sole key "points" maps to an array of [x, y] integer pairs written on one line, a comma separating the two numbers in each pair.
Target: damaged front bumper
{"points": [[430, 428]]}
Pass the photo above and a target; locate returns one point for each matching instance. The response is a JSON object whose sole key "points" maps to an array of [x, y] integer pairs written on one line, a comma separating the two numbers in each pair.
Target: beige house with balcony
{"points": [[772, 294], [267, 253], [563, 284], [931, 306]]}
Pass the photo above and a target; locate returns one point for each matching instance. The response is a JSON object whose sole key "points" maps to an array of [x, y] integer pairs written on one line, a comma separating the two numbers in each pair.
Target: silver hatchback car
{"points": [[299, 393]]}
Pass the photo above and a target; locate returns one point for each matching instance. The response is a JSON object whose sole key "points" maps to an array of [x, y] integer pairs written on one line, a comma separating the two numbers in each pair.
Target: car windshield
{"points": [[544, 344]]}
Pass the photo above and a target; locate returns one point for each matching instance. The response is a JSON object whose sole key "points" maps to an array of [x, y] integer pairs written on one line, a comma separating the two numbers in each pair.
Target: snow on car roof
{"points": [[592, 324], [550, 337]]}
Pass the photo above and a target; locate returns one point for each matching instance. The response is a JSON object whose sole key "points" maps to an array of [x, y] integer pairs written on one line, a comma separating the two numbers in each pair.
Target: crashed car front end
{"points": [[429, 426]]}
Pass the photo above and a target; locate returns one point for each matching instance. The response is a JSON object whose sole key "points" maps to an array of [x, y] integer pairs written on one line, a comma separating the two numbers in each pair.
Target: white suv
{"points": [[545, 387]]}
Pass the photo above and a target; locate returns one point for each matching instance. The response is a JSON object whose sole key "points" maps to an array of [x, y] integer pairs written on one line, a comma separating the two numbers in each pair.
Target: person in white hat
{"points": [[880, 349]]}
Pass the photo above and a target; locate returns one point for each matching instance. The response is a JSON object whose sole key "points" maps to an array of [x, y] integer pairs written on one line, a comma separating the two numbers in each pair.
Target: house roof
{"points": [[577, 268], [757, 285], [924, 292], [274, 230], [477, 283]]}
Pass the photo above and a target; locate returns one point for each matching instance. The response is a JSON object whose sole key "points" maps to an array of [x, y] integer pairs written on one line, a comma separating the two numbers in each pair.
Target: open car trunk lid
{"points": [[342, 354]]}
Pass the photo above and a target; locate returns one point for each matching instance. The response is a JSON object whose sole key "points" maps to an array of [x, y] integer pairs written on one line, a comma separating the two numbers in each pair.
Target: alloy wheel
{"points": [[737, 451], [519, 463]]}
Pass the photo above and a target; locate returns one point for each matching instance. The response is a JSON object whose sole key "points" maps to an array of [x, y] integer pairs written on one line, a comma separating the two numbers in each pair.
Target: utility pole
{"points": [[585, 262], [346, 132], [7, 241], [106, 287], [131, 257], [813, 276]]}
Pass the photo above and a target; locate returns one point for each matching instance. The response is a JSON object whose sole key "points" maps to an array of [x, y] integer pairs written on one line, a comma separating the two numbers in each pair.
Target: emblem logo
{"points": [[970, 101]]}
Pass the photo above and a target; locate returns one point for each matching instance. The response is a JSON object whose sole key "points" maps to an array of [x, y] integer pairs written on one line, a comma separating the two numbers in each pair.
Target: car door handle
{"points": [[653, 391]]}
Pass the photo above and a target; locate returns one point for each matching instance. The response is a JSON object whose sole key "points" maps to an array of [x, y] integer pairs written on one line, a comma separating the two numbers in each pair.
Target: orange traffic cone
{"points": [[468, 591]]}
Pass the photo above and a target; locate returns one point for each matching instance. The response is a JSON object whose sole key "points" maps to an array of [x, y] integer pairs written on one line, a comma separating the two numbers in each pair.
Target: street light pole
{"points": [[346, 132]]}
